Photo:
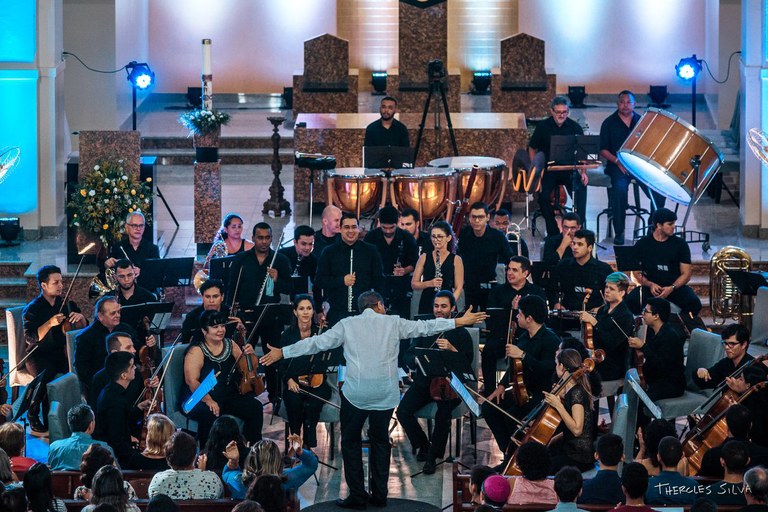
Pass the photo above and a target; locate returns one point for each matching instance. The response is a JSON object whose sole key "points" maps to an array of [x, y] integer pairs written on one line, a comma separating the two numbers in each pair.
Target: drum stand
{"points": [[436, 86], [688, 235]]}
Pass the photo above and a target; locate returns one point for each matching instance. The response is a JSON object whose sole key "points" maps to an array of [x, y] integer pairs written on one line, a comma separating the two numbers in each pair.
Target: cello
{"points": [[541, 424]]}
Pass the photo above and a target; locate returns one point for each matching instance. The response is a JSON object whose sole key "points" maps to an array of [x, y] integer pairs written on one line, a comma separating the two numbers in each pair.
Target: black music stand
{"points": [[300, 285], [542, 275], [387, 157], [574, 149], [497, 323], [219, 268], [313, 162], [747, 282], [166, 272], [31, 392], [433, 362]]}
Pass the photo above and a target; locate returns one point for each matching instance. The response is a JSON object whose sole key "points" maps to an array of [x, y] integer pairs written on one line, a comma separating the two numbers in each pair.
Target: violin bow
{"points": [[319, 398], [82, 254], [498, 408]]}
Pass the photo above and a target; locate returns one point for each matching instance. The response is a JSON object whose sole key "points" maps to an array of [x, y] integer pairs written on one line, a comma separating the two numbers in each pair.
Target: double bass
{"points": [[541, 423]]}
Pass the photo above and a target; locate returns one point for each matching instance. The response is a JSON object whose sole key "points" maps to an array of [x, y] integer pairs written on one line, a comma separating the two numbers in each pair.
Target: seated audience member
{"points": [[734, 458], [12, 440], [264, 458], [738, 420], [605, 487], [703, 505], [533, 487], [38, 485], [756, 489], [477, 476], [568, 482], [634, 484], [66, 454], [670, 487], [95, 458], [247, 506], [486, 508], [183, 481], [159, 430], [109, 488], [162, 503], [14, 500], [649, 439], [268, 491], [7, 477], [495, 491], [224, 430]]}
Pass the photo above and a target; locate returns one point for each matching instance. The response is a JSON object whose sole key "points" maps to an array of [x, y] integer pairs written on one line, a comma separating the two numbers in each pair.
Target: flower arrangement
{"points": [[105, 197], [203, 122]]}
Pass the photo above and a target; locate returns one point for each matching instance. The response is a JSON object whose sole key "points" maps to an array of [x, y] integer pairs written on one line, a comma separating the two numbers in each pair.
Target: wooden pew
{"points": [[222, 505]]}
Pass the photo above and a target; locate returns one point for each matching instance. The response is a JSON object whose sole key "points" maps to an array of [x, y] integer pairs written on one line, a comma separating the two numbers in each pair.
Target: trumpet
{"points": [[513, 236]]}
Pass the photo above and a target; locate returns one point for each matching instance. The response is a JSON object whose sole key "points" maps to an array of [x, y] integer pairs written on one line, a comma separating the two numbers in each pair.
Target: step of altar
{"points": [[230, 156]]}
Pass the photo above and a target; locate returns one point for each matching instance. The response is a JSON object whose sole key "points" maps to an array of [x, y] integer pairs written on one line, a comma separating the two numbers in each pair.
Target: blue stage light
{"points": [[139, 74], [688, 67]]}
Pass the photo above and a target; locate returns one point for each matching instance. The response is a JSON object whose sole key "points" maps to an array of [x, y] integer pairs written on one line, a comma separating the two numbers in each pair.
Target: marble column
{"points": [[207, 189]]}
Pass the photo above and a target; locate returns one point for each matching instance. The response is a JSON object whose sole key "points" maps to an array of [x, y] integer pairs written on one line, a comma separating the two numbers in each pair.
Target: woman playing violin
{"points": [[575, 406], [303, 410], [211, 350]]}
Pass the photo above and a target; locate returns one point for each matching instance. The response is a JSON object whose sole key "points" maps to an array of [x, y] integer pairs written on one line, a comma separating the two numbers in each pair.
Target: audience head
{"points": [[181, 451], [263, 459], [634, 480], [756, 485], [6, 473], [533, 460], [495, 490], [94, 458], [108, 488], [703, 505], [484, 507], [39, 489], [735, 456], [80, 418], [162, 503], [160, 428], [738, 419], [12, 438], [533, 306], [568, 483], [14, 500], [223, 431], [477, 476], [245, 506], [657, 306], [670, 451], [120, 366], [268, 491], [652, 435], [105, 507], [610, 450]]}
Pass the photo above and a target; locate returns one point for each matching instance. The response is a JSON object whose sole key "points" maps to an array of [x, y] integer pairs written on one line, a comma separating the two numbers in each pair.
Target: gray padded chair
{"points": [[760, 317], [17, 349], [173, 385], [625, 415], [63, 394], [71, 337], [704, 350], [429, 411]]}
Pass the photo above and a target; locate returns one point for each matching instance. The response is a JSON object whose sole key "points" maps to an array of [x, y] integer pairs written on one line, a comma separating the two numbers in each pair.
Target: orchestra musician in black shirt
{"points": [[212, 293], [410, 220], [501, 219], [387, 131], [735, 343], [330, 232], [133, 245], [558, 247], [302, 258], [580, 275], [131, 297]]}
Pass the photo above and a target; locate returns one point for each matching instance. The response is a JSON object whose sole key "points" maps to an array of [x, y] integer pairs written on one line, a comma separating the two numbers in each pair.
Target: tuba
{"points": [[725, 299], [218, 250]]}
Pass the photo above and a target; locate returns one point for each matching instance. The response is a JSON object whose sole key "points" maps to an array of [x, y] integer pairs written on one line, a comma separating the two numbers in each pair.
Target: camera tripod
{"points": [[436, 86]]}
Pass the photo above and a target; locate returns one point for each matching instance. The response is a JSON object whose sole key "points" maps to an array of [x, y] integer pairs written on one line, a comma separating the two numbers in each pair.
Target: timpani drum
{"points": [[489, 184], [427, 190], [355, 190], [659, 150]]}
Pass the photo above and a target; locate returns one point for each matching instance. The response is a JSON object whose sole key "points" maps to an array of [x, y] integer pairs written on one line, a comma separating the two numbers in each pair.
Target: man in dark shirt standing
{"points": [[579, 274], [666, 264], [410, 221], [329, 232], [613, 132], [507, 295], [538, 155], [387, 131], [501, 219], [42, 319], [536, 348], [302, 259], [399, 253], [481, 247], [348, 268]]}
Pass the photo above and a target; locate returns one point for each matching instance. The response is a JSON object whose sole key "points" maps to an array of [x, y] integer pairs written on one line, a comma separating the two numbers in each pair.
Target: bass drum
{"points": [[355, 190], [425, 189], [659, 150], [489, 184]]}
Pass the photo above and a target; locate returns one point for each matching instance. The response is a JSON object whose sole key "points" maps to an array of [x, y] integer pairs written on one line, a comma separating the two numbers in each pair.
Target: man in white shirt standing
{"points": [[371, 341]]}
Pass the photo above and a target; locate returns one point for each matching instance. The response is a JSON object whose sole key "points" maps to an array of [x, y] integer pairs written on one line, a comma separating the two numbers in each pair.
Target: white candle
{"points": [[206, 56]]}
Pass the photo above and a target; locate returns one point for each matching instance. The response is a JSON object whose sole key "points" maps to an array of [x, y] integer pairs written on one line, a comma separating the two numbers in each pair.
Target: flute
{"points": [[349, 288]]}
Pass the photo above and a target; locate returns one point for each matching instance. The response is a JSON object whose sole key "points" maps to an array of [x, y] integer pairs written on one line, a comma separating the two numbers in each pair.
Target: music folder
{"points": [[497, 323], [282, 314], [218, 268], [543, 275], [573, 149], [434, 362], [461, 390], [166, 272], [747, 282]]}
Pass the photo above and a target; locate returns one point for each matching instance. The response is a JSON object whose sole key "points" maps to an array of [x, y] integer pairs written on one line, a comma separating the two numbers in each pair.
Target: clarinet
{"points": [[438, 269], [349, 288]]}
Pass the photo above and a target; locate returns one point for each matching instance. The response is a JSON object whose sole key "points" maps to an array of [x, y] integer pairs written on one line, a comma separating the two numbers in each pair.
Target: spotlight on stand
{"points": [[481, 82], [658, 95], [9, 231], [379, 82], [141, 78], [576, 94], [687, 69]]}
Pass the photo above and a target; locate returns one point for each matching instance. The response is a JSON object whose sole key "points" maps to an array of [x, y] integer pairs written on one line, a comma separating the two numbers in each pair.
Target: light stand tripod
{"points": [[437, 75]]}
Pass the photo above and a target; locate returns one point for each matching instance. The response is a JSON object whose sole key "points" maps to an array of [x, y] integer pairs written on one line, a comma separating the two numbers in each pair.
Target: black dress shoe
{"points": [[351, 503], [377, 502], [430, 467], [423, 454], [36, 425]]}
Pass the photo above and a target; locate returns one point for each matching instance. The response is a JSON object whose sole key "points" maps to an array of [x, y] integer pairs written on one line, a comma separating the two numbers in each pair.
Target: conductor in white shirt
{"points": [[370, 341]]}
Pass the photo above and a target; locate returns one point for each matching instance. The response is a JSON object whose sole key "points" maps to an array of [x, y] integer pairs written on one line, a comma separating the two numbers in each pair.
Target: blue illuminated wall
{"points": [[17, 26], [18, 127]]}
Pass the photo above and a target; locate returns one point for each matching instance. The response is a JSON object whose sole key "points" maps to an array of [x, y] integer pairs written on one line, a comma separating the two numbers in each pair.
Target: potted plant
{"points": [[204, 126]]}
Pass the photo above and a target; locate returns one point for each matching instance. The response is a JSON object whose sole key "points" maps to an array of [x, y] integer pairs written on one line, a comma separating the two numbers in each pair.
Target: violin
{"points": [[248, 364], [542, 423], [68, 308], [517, 383], [638, 358], [313, 380], [155, 397], [587, 329]]}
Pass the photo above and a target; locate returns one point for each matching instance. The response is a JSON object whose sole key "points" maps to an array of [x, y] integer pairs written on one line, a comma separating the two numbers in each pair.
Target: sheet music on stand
{"points": [[638, 389], [460, 390], [166, 272], [158, 312]]}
